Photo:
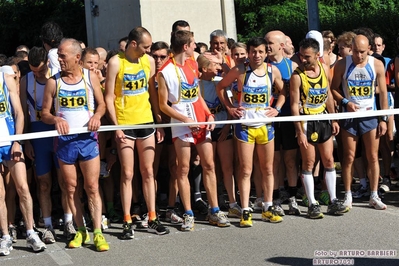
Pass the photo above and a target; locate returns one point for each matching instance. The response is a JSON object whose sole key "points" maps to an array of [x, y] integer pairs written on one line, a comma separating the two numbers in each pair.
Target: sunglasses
{"points": [[162, 57]]}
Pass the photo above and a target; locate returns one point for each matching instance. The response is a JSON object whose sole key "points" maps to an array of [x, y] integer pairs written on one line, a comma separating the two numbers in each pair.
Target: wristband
{"points": [[208, 115], [384, 118], [344, 102]]}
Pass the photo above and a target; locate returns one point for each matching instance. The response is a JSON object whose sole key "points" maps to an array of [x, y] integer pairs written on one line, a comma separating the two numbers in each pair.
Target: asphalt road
{"points": [[295, 241]]}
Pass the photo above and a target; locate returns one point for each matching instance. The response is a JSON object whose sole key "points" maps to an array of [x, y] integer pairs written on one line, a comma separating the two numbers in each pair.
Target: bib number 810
{"points": [[72, 101]]}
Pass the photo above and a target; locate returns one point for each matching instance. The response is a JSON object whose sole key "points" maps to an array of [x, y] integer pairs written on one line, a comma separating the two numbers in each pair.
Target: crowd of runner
{"points": [[140, 174]]}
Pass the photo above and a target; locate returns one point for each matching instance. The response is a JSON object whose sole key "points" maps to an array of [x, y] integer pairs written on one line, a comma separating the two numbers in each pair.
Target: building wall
{"points": [[116, 18]]}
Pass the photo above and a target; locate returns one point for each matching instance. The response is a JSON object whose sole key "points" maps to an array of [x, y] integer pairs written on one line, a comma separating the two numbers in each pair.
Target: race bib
{"points": [[134, 84]]}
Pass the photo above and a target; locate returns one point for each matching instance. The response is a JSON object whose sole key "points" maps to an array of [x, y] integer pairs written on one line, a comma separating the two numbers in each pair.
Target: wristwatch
{"points": [[384, 118]]}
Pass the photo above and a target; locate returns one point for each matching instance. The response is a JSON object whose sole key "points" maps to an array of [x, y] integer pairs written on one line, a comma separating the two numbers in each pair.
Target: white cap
{"points": [[7, 70], [314, 34]]}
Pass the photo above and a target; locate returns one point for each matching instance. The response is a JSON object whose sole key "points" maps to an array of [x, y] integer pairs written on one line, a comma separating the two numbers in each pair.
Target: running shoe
{"points": [[385, 186], [155, 226], [87, 221], [100, 242], [348, 201], [236, 211], [222, 203], [136, 216], [246, 219], [33, 241], [314, 211], [271, 215], [201, 206], [219, 218], [113, 216], [40, 223], [22, 229], [104, 223], [128, 232], [284, 195], [188, 223], [361, 192], [251, 206], [258, 205], [337, 207], [79, 239], [48, 236], [172, 217], [300, 193], [179, 209], [13, 233], [69, 230], [293, 208], [5, 246], [324, 198], [143, 222], [60, 224], [377, 203], [278, 208]]}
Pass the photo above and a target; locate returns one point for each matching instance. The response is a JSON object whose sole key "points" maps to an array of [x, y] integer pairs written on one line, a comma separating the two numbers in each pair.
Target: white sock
{"points": [[30, 232], [373, 194], [308, 183], [67, 217], [331, 178], [266, 205], [6, 237], [348, 194]]}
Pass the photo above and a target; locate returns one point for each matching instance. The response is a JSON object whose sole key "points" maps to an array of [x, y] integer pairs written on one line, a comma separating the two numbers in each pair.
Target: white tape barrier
{"points": [[335, 116]]}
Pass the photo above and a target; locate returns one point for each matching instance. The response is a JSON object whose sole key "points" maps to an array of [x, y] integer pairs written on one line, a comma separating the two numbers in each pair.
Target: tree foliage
{"points": [[257, 17], [21, 20]]}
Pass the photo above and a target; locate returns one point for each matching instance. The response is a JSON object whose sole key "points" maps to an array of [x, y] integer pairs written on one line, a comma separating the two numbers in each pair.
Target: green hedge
{"points": [[257, 17]]}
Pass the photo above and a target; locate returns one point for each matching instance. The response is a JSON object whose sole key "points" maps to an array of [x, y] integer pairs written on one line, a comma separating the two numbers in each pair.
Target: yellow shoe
{"points": [[86, 238], [246, 219], [77, 241], [271, 216], [100, 243]]}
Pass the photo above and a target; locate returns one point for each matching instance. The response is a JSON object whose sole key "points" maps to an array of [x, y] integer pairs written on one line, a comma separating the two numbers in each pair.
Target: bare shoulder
{"points": [[150, 58], [10, 82], [295, 79], [340, 64], [294, 65], [326, 68], [113, 61]]}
